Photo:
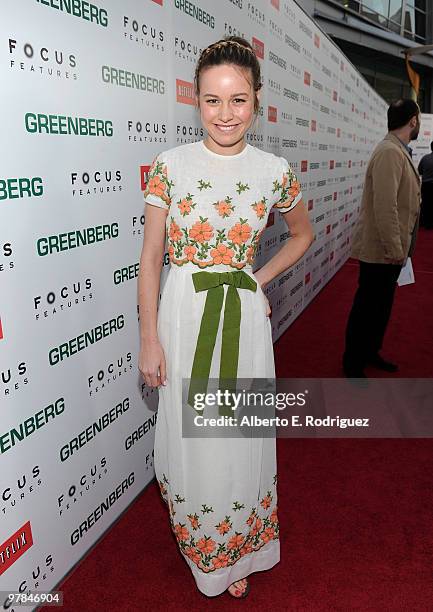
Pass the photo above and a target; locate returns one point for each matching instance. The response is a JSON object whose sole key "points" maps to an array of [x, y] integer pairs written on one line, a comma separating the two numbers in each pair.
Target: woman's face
{"points": [[226, 103]]}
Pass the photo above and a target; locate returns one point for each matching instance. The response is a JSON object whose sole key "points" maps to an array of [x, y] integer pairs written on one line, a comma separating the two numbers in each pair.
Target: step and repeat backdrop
{"points": [[91, 92]]}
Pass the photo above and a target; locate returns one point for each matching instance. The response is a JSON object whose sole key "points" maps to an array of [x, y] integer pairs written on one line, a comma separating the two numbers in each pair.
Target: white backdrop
{"points": [[90, 94]]}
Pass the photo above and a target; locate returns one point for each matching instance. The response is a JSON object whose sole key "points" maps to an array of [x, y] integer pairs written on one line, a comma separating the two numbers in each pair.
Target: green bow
{"points": [[213, 282]]}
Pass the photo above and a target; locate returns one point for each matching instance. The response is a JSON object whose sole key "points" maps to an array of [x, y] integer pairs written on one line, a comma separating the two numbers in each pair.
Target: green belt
{"points": [[213, 282]]}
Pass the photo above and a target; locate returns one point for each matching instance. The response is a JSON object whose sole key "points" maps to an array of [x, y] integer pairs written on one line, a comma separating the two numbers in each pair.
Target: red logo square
{"points": [[143, 176], [259, 48], [185, 92], [25, 539], [272, 114]]}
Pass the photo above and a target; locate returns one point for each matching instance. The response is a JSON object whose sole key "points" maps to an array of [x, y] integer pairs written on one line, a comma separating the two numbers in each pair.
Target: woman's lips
{"points": [[226, 128]]}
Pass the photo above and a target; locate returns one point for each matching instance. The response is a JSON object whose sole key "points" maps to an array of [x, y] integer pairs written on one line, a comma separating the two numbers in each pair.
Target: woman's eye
{"points": [[237, 100], [212, 100]]}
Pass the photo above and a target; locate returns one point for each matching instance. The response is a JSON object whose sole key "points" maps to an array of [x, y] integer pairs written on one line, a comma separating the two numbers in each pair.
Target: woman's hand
{"points": [[151, 363]]}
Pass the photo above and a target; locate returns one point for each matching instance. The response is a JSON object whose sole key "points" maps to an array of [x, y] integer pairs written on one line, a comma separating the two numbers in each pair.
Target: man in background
{"points": [[383, 239], [425, 168]]}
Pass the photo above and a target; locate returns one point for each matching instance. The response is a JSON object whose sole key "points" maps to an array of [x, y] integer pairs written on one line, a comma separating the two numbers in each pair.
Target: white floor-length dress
{"points": [[221, 492]]}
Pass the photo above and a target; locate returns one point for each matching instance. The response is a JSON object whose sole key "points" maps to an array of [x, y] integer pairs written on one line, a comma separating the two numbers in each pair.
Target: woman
{"points": [[212, 198]]}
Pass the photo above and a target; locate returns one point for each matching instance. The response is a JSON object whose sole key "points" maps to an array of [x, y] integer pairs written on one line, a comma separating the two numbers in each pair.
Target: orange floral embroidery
{"points": [[258, 525], [174, 232], [190, 251], [221, 560], [208, 554], [288, 189], [225, 207], [235, 541], [201, 231], [246, 548], [267, 534], [260, 208], [294, 189], [266, 501], [222, 254], [206, 545], [158, 183], [193, 519], [184, 207], [193, 554], [235, 247], [157, 187], [181, 532], [223, 527], [240, 233], [274, 517]]}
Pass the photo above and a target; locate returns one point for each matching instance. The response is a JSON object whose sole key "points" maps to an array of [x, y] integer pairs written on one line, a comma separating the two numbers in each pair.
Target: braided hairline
{"points": [[225, 43]]}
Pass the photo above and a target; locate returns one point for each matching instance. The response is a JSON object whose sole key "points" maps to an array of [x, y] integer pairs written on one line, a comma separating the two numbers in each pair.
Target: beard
{"points": [[414, 133]]}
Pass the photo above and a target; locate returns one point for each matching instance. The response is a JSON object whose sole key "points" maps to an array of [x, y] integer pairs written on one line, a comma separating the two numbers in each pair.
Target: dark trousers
{"points": [[426, 219], [370, 312]]}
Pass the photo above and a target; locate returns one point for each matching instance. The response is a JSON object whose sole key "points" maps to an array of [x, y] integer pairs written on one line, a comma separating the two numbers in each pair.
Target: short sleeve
{"points": [[159, 186], [286, 188]]}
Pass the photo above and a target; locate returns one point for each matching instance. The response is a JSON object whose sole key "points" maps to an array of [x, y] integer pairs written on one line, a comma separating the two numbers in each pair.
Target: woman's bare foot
{"points": [[238, 588]]}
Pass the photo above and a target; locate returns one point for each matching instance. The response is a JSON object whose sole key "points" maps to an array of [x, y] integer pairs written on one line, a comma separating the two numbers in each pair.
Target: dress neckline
{"points": [[234, 156]]}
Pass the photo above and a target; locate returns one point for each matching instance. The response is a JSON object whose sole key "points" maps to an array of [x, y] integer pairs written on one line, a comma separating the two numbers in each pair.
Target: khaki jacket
{"points": [[388, 220]]}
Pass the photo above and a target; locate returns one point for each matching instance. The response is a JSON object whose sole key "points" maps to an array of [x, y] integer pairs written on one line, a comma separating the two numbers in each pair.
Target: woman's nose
{"points": [[226, 112]]}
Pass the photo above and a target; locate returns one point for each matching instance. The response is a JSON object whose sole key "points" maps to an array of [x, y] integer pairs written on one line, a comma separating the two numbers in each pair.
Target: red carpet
{"points": [[314, 343], [356, 515]]}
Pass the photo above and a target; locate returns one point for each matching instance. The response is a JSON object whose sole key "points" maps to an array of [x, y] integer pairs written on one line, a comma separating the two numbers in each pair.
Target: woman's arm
{"points": [[302, 236], [151, 358]]}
